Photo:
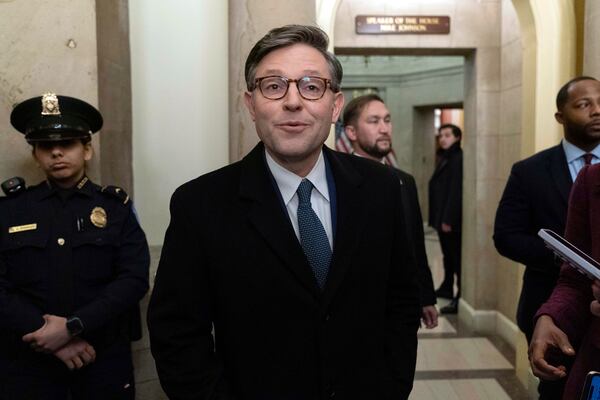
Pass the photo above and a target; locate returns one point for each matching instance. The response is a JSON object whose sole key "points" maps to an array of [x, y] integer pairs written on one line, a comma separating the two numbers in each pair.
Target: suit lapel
{"points": [[350, 221], [271, 220], [559, 170]]}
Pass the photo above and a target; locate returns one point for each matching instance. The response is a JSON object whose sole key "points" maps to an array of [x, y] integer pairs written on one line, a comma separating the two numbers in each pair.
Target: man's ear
{"points": [[248, 101], [338, 106], [350, 132], [559, 117]]}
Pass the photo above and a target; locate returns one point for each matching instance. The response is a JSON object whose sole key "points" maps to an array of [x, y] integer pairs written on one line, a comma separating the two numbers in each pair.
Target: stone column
{"points": [[180, 100], [46, 46], [114, 92], [249, 21], [591, 49]]}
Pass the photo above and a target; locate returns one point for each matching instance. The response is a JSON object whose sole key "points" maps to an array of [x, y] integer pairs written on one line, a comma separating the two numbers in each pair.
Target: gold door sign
{"points": [[402, 24]]}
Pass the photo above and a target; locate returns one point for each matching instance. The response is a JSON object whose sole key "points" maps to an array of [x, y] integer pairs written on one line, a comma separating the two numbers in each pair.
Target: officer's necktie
{"points": [[313, 237], [587, 158]]}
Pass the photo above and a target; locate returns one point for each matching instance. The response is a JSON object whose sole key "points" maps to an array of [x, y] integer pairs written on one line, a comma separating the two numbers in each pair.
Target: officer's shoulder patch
{"points": [[117, 192]]}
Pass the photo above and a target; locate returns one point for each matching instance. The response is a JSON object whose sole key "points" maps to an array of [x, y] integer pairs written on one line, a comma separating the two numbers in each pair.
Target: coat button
{"points": [[60, 241]]}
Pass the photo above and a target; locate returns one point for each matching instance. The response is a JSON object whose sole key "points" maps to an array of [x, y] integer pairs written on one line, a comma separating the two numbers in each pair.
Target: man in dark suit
{"points": [[445, 210], [296, 256], [368, 126], [535, 197]]}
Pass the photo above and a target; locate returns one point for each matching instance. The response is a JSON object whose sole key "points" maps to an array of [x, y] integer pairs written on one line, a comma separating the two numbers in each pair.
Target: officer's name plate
{"points": [[22, 228]]}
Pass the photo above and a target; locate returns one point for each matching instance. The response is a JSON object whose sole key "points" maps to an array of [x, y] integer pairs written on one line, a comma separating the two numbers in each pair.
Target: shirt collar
{"points": [[573, 152], [84, 187], [288, 182]]}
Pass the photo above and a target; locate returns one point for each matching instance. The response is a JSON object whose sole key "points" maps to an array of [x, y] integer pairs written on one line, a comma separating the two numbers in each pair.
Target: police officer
{"points": [[73, 267]]}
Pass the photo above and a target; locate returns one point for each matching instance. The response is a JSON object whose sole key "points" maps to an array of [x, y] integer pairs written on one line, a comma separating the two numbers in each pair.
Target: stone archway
{"points": [[548, 35]]}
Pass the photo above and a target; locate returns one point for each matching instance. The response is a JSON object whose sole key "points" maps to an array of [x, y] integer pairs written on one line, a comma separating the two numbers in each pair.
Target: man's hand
{"points": [[51, 336], [446, 228], [595, 305], [76, 354], [546, 336], [429, 315]]}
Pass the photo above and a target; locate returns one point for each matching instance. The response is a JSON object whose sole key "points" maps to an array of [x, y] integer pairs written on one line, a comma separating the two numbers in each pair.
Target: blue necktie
{"points": [[313, 237]]}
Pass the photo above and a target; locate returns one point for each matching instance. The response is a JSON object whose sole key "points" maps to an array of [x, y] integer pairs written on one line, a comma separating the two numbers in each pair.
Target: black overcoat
{"points": [[445, 190], [414, 221], [231, 260]]}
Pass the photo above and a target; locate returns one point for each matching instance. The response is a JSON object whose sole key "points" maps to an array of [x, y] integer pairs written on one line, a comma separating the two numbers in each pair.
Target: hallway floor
{"points": [[455, 363]]}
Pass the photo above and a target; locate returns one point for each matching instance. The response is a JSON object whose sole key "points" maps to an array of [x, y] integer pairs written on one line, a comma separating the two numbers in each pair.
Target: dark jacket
{"points": [[569, 304], [445, 190], [231, 261], [414, 221], [535, 197], [55, 260]]}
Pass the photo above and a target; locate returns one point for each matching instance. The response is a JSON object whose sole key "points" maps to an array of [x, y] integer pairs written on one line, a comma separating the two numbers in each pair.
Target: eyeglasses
{"points": [[276, 87]]}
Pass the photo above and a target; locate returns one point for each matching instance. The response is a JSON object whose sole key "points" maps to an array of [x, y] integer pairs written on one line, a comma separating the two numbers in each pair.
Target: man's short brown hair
{"points": [[355, 107], [287, 36]]}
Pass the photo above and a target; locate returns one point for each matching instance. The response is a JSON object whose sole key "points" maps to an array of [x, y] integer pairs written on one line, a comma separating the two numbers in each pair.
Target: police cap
{"points": [[53, 118]]}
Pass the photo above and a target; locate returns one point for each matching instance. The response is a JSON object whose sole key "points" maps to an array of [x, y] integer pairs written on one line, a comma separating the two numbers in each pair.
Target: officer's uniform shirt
{"points": [[77, 252]]}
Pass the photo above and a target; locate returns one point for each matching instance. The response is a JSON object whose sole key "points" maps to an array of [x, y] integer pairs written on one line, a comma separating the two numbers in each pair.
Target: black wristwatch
{"points": [[74, 326]]}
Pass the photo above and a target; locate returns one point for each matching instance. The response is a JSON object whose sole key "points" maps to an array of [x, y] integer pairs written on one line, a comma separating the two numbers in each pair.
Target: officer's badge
{"points": [[50, 104], [98, 217]]}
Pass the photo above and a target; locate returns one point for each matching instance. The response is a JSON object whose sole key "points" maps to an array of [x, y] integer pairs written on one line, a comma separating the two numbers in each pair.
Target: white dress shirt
{"points": [[288, 183]]}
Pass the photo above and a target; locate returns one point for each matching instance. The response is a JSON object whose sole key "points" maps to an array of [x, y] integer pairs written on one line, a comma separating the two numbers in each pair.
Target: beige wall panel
{"points": [[180, 100], [511, 65], [591, 52], [509, 145], [488, 104], [35, 59], [114, 92], [488, 75]]}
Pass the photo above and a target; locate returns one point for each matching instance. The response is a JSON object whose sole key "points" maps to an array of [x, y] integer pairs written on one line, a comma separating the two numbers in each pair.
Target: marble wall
{"points": [[180, 98], [509, 141], [591, 54], [114, 92], [46, 46]]}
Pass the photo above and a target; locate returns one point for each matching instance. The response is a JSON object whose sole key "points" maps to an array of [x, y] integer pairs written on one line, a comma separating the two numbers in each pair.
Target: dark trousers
{"points": [[44, 377], [551, 390], [451, 250]]}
